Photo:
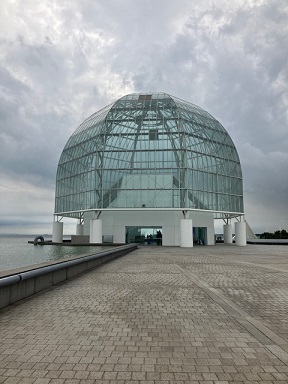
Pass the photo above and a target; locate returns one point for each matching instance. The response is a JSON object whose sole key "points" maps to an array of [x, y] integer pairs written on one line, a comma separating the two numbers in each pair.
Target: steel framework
{"points": [[149, 151]]}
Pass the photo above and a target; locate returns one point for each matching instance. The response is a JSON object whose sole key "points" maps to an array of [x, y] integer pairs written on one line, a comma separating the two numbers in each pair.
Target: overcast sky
{"points": [[61, 61]]}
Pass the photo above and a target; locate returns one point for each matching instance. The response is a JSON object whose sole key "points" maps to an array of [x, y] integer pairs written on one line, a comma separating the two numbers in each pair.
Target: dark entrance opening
{"points": [[200, 235], [151, 235]]}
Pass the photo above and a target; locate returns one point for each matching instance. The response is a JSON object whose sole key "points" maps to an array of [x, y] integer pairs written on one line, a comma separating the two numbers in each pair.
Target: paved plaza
{"points": [[163, 315]]}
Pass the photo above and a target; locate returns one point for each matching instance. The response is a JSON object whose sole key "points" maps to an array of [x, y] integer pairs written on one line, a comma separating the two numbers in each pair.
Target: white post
{"points": [[79, 229], [186, 233], [240, 233], [96, 231], [227, 231], [57, 234]]}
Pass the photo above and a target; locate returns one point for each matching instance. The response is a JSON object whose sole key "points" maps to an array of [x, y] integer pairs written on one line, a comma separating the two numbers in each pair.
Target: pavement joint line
{"points": [[263, 334]]}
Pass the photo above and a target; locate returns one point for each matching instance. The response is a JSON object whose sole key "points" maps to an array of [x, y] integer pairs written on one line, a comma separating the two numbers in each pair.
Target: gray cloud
{"points": [[60, 62]]}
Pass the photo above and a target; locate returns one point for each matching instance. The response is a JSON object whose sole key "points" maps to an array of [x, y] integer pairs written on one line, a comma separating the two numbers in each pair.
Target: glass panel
{"points": [[153, 150]]}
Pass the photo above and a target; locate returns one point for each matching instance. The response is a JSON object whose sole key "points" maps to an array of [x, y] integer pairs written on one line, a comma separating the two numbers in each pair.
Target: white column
{"points": [[186, 233], [79, 229], [240, 233], [96, 231], [227, 231], [57, 234]]}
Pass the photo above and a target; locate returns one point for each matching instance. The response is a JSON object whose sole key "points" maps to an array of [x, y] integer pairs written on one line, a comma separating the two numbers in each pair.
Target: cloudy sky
{"points": [[60, 61]]}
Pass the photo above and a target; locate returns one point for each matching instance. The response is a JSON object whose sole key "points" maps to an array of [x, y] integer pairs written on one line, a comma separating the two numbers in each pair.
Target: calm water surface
{"points": [[15, 252]]}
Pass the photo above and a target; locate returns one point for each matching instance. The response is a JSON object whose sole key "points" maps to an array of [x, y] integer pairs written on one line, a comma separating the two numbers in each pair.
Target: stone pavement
{"points": [[163, 315]]}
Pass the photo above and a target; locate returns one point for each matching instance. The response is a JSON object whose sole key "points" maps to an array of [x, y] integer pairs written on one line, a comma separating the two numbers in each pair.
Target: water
{"points": [[15, 252]]}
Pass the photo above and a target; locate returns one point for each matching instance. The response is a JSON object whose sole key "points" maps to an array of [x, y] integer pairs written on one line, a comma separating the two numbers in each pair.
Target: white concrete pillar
{"points": [[210, 236], [57, 233], [79, 229], [96, 231], [186, 233], [240, 233], [227, 231]]}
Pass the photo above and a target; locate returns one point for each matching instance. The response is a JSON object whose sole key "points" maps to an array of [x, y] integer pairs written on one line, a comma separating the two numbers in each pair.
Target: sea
{"points": [[16, 252]]}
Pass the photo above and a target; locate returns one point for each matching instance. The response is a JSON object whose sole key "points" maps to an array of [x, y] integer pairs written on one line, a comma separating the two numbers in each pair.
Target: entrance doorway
{"points": [[200, 235], [144, 235]]}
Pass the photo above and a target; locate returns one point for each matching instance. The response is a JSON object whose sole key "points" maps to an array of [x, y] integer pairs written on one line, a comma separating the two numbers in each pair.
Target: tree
{"points": [[280, 234]]}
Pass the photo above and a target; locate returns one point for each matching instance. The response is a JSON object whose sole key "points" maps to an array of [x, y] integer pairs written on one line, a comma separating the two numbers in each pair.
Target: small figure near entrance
{"points": [[159, 238], [149, 239]]}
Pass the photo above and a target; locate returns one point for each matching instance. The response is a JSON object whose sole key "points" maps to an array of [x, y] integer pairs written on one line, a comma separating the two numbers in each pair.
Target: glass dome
{"points": [[149, 151]]}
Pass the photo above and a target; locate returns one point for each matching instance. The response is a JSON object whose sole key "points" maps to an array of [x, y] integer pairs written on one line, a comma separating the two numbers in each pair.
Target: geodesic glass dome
{"points": [[149, 151]]}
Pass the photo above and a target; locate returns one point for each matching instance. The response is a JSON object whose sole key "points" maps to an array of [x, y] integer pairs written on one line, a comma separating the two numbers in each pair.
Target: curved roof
{"points": [[151, 150]]}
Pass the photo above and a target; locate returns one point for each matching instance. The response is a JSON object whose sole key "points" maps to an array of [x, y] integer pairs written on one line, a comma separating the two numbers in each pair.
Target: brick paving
{"points": [[209, 315]]}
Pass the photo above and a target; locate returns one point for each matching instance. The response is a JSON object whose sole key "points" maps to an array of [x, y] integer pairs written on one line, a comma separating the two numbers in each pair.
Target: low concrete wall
{"points": [[15, 287], [76, 239]]}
